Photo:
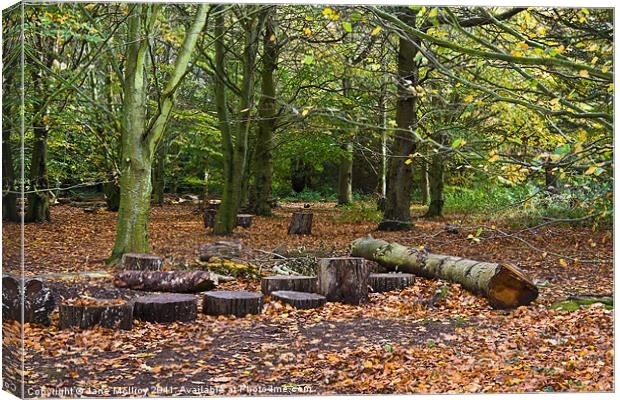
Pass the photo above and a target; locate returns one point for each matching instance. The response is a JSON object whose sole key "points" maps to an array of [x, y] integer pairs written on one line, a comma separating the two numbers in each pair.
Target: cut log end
{"points": [[300, 300], [510, 288], [244, 220]]}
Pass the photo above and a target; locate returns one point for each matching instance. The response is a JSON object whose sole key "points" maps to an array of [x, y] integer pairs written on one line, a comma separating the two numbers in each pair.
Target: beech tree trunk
{"points": [[159, 176], [38, 200], [345, 176], [139, 140], [234, 134], [100, 312], [263, 159], [9, 189], [397, 214], [424, 184], [505, 286], [435, 177]]}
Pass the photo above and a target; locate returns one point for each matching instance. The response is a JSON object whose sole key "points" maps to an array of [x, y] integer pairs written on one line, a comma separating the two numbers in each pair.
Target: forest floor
{"points": [[393, 344]]}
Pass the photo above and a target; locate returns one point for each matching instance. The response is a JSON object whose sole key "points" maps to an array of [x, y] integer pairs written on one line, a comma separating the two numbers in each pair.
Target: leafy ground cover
{"points": [[394, 344]]}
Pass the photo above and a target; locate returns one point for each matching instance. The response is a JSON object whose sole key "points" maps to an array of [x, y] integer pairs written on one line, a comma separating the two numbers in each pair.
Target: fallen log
{"points": [[299, 300], [505, 286], [173, 281], [237, 303]]}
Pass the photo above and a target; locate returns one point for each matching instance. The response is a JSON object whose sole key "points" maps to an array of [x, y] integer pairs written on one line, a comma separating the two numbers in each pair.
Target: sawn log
{"points": [[504, 285]]}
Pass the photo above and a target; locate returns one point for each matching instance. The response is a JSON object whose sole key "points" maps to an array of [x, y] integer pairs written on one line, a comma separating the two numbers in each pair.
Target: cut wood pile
{"points": [[505, 286]]}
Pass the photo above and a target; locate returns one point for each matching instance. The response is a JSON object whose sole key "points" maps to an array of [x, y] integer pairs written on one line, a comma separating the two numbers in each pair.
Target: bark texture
{"points": [[505, 286], [301, 223], [386, 282], [397, 214], [166, 308], [209, 217], [263, 156], [294, 283], [344, 279], [141, 262], [34, 297], [167, 281], [115, 316], [238, 303], [244, 220], [220, 249], [300, 300]]}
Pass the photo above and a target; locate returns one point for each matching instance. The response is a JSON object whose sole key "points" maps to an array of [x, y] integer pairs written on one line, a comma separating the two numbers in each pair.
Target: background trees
{"points": [[338, 103]]}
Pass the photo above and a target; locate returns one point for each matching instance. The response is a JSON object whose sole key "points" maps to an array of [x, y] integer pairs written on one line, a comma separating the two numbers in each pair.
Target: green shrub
{"points": [[360, 211]]}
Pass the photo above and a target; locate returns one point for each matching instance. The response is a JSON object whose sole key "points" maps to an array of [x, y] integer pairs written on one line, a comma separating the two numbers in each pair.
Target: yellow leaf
{"points": [[468, 99], [584, 73], [523, 45], [367, 364], [590, 170], [308, 31], [610, 87], [327, 11], [408, 161], [516, 53], [272, 38], [375, 31], [494, 158], [605, 69], [594, 60], [305, 112], [433, 12], [563, 263], [46, 119]]}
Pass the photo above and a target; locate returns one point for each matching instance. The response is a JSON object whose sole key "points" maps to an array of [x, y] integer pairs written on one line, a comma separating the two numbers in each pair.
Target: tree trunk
{"points": [[235, 148], [263, 162], [138, 141], [34, 299], [141, 262], [38, 200], [505, 286], [424, 184], [159, 177], [162, 281], [380, 283], [384, 138], [112, 191], [345, 176], [397, 214], [9, 189], [435, 175]]}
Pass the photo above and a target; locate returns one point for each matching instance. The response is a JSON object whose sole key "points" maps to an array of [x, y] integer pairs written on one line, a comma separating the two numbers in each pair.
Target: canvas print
{"points": [[205, 199]]}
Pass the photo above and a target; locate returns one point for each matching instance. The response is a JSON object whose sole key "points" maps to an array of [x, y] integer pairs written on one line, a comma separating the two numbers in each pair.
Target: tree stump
{"points": [[244, 220], [380, 283], [220, 249], [209, 217], [87, 313], [38, 301], [301, 223], [167, 281], [288, 283], [166, 308], [238, 303], [300, 300], [141, 262], [343, 279]]}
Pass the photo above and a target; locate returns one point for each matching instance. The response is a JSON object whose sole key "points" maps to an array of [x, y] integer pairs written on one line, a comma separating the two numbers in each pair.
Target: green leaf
{"points": [[308, 60], [458, 143], [347, 26]]}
